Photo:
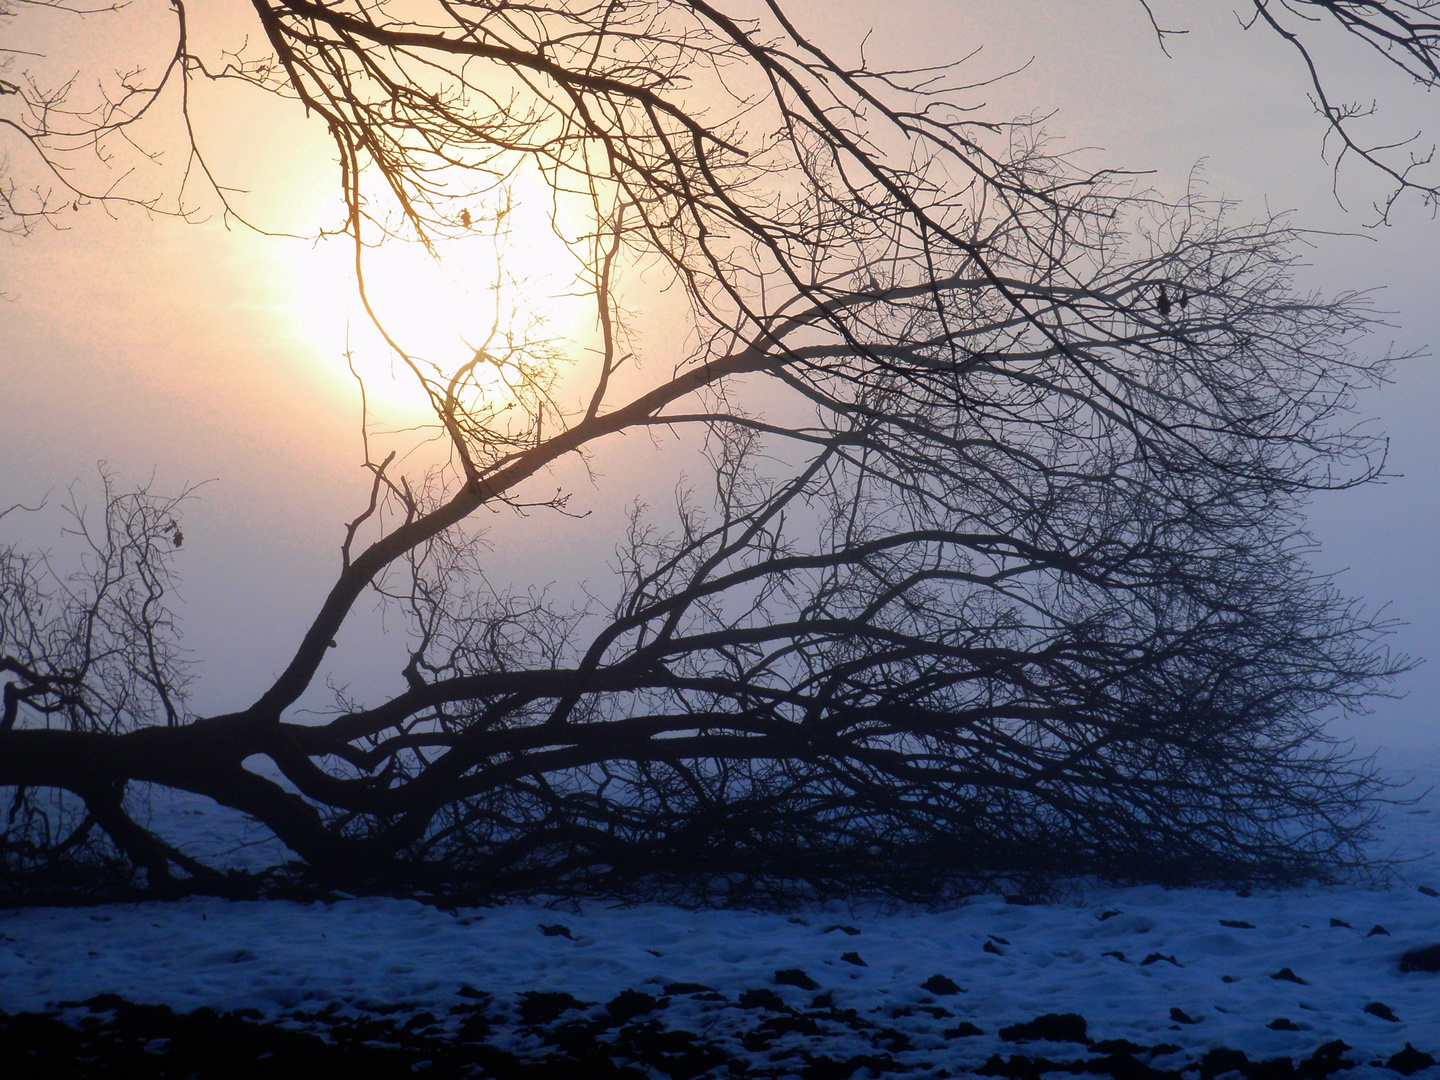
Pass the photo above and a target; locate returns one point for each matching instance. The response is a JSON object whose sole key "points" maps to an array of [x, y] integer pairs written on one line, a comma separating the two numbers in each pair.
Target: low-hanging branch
{"points": [[997, 564]]}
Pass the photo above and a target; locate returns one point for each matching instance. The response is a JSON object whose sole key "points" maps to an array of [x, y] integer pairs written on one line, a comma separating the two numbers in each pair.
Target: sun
{"points": [[425, 312]]}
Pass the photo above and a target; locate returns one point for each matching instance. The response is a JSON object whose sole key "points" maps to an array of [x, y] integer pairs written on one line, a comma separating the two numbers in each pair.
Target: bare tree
{"points": [[999, 568], [1407, 36]]}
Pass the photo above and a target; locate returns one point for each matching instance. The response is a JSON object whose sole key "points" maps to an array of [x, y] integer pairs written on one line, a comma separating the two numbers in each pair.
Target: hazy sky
{"points": [[201, 353]]}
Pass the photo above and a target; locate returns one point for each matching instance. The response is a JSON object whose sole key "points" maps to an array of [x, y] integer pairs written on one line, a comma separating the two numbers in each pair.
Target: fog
{"points": [[204, 353]]}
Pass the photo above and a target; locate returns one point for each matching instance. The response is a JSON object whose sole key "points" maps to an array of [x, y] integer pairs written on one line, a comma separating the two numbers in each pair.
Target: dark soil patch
{"points": [[1054, 1027], [553, 1035], [1422, 959]]}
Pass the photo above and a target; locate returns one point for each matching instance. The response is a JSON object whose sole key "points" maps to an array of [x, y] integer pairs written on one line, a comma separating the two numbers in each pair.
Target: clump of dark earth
{"points": [[1326, 1060], [795, 977], [1279, 1068], [774, 1026], [963, 1030], [542, 1008], [678, 988], [1017, 1068], [1218, 1061], [556, 930], [680, 1054], [940, 986], [821, 1067], [1052, 1027], [1116, 1046], [1383, 1011], [1426, 958], [629, 1004], [1409, 1060], [1119, 1066], [762, 999]]}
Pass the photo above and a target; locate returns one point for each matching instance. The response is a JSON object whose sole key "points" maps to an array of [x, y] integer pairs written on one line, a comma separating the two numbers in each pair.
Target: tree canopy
{"points": [[999, 565]]}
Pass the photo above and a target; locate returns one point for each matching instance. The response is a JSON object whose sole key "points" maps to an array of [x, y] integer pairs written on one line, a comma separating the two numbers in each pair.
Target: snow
{"points": [[1085, 953]]}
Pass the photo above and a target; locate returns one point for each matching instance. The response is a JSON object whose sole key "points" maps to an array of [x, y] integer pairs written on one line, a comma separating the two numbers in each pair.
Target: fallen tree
{"points": [[998, 570]]}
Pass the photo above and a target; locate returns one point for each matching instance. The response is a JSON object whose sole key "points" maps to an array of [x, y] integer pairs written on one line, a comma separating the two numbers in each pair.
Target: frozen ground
{"points": [[1178, 973]]}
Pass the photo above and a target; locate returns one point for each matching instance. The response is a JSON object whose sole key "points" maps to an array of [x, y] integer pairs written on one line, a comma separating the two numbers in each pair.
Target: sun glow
{"points": [[487, 289]]}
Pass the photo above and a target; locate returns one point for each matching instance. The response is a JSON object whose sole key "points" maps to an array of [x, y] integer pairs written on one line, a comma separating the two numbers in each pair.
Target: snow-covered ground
{"points": [[1274, 974]]}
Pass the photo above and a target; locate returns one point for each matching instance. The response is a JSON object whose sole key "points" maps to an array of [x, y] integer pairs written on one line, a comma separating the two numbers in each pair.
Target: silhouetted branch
{"points": [[1407, 36], [996, 565]]}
